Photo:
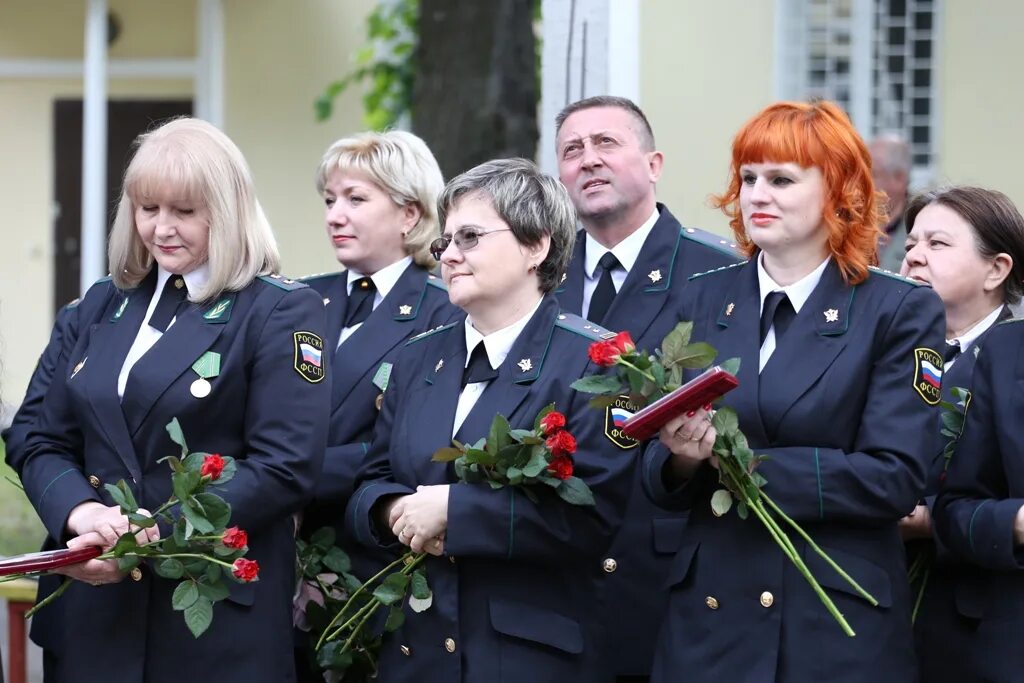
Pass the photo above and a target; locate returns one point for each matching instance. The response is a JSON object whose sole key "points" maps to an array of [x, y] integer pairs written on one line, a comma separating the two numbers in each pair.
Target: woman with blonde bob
{"points": [[839, 383], [195, 326], [380, 200]]}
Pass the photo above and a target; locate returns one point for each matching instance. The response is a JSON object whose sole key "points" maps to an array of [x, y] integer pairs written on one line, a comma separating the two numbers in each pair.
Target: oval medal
{"points": [[200, 388]]}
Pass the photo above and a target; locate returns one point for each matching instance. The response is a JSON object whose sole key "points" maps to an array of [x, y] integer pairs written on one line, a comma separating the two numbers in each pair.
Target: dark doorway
{"points": [[125, 120]]}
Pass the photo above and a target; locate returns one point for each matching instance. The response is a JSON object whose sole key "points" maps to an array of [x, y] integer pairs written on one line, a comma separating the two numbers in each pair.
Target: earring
{"points": [[532, 269]]}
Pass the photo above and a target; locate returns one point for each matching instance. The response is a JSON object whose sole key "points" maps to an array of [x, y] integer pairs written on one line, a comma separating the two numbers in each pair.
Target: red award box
{"points": [[46, 561], [699, 391]]}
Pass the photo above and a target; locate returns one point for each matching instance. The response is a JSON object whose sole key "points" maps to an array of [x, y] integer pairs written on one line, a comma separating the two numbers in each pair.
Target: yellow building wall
{"points": [[278, 56], [705, 68], [980, 100]]}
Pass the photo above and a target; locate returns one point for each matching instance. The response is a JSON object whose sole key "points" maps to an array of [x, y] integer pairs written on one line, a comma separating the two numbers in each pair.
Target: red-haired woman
{"points": [[839, 383]]}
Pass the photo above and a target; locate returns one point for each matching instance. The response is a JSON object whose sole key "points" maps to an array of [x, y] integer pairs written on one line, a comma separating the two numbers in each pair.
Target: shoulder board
{"points": [[429, 333], [315, 276], [72, 304], [282, 282], [875, 270], [710, 239], [582, 327], [435, 281], [717, 270]]}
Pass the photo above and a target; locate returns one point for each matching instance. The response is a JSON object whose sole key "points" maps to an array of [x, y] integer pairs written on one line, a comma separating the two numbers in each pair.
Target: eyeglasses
{"points": [[464, 238]]}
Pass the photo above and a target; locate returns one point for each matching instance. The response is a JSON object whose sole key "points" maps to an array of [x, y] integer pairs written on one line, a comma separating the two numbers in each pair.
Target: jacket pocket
{"points": [[668, 533], [536, 624], [681, 564], [872, 578]]}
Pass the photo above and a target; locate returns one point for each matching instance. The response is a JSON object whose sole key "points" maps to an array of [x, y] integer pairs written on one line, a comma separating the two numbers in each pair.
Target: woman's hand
{"points": [[419, 520], [94, 572], [918, 524], [690, 438], [95, 524]]}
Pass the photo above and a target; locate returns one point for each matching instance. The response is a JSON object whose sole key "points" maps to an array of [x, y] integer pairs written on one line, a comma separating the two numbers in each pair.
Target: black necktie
{"points": [[604, 293], [479, 368], [360, 301], [778, 311], [952, 351], [171, 300]]}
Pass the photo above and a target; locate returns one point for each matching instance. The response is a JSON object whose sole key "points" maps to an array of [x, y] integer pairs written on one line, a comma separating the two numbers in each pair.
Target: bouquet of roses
{"points": [[646, 377], [201, 550], [953, 415], [525, 458]]}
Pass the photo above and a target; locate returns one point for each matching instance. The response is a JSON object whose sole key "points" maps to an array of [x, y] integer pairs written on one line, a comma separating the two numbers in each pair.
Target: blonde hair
{"points": [[404, 167], [199, 164]]}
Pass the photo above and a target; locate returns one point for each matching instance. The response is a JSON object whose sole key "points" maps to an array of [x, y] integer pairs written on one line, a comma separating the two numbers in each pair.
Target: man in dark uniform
{"points": [[630, 265]]}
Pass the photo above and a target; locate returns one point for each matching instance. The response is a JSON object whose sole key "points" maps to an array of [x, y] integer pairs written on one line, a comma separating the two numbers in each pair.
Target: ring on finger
{"points": [[406, 533]]}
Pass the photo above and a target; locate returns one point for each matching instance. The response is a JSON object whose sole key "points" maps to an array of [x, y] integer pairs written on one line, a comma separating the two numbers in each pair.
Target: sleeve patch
{"points": [[615, 416], [309, 361], [928, 375]]}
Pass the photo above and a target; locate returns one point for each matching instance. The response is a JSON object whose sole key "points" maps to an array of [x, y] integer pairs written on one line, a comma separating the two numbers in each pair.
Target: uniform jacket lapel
{"points": [[335, 306], [521, 368], [647, 286], [185, 341], [738, 324], [390, 323], [814, 340], [570, 291], [108, 347]]}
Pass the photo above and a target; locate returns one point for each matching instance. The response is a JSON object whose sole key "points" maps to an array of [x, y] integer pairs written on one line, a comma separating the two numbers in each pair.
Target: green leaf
{"points": [[598, 384], [198, 616], [333, 657], [696, 356], [174, 462], [419, 586], [731, 365], [725, 421], [514, 476], [228, 473], [214, 592], [185, 595], [498, 435], [721, 502], [541, 415], [215, 509], [174, 431], [185, 483], [675, 342], [396, 617], [603, 401], [140, 520], [126, 542], [180, 534], [575, 492], [742, 511], [520, 435], [117, 495], [323, 538], [195, 518], [446, 454], [213, 572], [194, 461], [170, 568], [129, 498], [337, 561], [537, 464], [128, 562], [392, 589]]}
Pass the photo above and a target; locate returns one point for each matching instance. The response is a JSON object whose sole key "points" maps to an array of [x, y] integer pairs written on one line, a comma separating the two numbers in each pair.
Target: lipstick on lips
{"points": [[761, 219]]}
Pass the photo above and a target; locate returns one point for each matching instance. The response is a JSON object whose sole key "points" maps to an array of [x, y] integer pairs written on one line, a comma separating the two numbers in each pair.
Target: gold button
{"points": [[610, 565], [449, 644], [451, 558], [767, 599], [711, 602], [178, 283], [405, 650], [136, 574], [363, 284], [94, 481]]}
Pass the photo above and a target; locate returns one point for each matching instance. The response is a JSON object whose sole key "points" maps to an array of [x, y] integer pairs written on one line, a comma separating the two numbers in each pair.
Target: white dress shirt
{"points": [[147, 336], [384, 280], [498, 345], [798, 293], [627, 252], [967, 338]]}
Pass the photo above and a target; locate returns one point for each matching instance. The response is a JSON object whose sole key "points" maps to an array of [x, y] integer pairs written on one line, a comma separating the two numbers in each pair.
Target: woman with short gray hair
{"points": [[511, 573]]}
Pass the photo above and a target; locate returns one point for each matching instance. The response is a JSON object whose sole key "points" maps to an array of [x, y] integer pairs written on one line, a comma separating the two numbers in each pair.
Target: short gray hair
{"points": [[891, 153], [404, 167], [532, 203], [645, 134], [200, 162]]}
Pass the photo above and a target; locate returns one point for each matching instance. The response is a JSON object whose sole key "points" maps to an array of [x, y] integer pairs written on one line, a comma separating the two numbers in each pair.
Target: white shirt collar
{"points": [[498, 344], [798, 292], [967, 338], [384, 279], [194, 280], [627, 251]]}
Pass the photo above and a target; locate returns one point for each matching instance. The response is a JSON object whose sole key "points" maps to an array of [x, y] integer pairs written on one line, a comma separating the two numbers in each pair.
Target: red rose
{"points": [[561, 466], [624, 343], [213, 465], [561, 443], [552, 422], [234, 538], [245, 570], [604, 353]]}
